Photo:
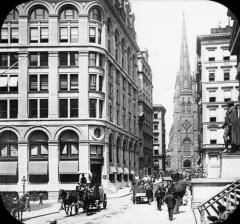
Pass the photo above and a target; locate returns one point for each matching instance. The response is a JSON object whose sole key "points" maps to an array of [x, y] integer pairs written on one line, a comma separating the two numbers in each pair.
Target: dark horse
{"points": [[179, 190], [18, 206], [68, 200]]}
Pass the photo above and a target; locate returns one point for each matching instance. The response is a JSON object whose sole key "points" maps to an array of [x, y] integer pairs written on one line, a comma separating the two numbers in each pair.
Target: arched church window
{"points": [[187, 163], [186, 148]]}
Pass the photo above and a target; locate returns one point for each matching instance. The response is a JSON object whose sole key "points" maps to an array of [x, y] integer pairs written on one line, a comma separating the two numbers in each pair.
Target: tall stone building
{"points": [[184, 131], [145, 110], [159, 141], [68, 95], [216, 84]]}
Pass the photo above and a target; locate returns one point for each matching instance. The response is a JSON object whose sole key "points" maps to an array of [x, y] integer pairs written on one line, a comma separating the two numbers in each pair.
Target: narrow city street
{"points": [[119, 211]]}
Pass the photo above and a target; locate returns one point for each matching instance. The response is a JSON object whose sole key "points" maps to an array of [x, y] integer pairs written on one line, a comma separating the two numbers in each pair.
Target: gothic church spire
{"points": [[184, 72]]}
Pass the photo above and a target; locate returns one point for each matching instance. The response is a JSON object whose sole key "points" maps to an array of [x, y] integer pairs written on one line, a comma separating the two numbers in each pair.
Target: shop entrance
{"points": [[96, 170]]}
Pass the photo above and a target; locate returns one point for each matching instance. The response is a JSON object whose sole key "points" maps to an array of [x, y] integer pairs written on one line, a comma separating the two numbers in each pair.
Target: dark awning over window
{"points": [[38, 167], [68, 167], [8, 168]]}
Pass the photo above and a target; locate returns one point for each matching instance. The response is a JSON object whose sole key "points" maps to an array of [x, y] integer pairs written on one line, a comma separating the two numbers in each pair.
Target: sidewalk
{"points": [[52, 206]]}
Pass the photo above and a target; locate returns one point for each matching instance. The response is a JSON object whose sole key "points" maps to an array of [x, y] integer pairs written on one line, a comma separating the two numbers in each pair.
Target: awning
{"points": [[112, 169], [126, 171], [8, 168], [132, 172], [13, 81], [68, 167], [38, 167], [119, 170], [3, 81]]}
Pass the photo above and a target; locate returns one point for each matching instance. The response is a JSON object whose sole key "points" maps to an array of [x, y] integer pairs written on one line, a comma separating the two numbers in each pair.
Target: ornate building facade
{"points": [[145, 110], [68, 95], [184, 141]]}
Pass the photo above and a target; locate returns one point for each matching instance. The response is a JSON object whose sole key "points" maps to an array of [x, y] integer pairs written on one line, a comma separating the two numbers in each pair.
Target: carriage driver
{"points": [[83, 180]]}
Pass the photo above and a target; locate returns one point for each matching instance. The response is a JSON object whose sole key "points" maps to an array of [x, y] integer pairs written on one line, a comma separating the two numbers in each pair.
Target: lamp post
{"points": [[24, 183]]}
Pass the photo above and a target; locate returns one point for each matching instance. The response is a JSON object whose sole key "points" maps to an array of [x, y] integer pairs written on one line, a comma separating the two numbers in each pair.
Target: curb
{"points": [[119, 196], [36, 216]]}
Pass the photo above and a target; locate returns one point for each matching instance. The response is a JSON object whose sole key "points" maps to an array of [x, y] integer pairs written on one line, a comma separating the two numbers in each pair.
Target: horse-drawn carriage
{"points": [[85, 197], [141, 192]]}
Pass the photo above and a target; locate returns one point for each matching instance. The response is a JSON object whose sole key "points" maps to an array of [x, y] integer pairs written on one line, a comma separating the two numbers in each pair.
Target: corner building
{"points": [[68, 95]]}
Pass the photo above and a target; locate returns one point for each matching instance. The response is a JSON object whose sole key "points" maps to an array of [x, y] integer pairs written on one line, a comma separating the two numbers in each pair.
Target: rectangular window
{"points": [[118, 117], [33, 108], [211, 59], [63, 58], [3, 60], [13, 59], [73, 34], [14, 35], [4, 35], [92, 35], [73, 107], [92, 59], [99, 36], [100, 108], [100, 83], [63, 34], [73, 82], [227, 95], [63, 82], [118, 97], [110, 113], [226, 58], [13, 108], [33, 35], [63, 108], [43, 59], [3, 108], [211, 77], [44, 35], [33, 59], [155, 115], [43, 108], [73, 58], [92, 81], [93, 108], [43, 82], [33, 84], [226, 76]]}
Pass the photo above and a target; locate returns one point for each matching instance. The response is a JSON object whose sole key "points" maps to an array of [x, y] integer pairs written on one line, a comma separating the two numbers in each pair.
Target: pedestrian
{"points": [[170, 201], [159, 194], [41, 199], [149, 195], [83, 180]]}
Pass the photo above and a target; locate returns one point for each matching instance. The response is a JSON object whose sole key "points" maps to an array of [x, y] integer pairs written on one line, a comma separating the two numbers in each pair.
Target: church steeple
{"points": [[184, 72]]}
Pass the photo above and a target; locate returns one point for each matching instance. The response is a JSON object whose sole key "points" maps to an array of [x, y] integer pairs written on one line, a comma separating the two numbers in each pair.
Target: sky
{"points": [[158, 24]]}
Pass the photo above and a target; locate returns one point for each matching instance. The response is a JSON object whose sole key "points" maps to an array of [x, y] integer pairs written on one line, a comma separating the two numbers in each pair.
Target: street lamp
{"points": [[24, 183]]}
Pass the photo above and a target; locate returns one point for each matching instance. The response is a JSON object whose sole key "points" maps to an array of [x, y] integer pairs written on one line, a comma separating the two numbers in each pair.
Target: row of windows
{"points": [[38, 108], [226, 76], [39, 59], [225, 58]]}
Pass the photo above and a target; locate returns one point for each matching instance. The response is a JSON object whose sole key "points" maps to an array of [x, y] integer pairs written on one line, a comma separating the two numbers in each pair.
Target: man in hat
{"points": [[231, 129]]}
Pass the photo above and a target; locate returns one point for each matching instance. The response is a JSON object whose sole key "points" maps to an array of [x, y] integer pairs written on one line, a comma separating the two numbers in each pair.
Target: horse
{"points": [[19, 205], [68, 200]]}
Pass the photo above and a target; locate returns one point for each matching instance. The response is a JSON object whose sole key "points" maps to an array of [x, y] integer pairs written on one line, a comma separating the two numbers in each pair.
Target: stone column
{"points": [[105, 166], [22, 165], [84, 159], [53, 29], [22, 85], [53, 85], [53, 161]]}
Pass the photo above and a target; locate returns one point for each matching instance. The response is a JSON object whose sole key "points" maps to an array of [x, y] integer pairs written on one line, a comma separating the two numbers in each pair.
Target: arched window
{"points": [[68, 144], [13, 15], [9, 30], [68, 25], [116, 44], [183, 106], [187, 163], [95, 14], [39, 13], [189, 105], [38, 145], [186, 148], [118, 150], [8, 145], [38, 22], [110, 148]]}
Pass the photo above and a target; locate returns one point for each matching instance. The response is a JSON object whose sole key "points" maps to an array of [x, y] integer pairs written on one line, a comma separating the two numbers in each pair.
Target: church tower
{"points": [[184, 142]]}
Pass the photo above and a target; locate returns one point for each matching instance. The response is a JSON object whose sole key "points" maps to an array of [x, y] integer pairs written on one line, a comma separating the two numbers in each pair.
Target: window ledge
{"points": [[38, 67]]}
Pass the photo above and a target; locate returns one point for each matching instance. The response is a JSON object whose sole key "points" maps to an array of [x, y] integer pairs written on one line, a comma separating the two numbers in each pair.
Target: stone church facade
{"points": [[184, 142]]}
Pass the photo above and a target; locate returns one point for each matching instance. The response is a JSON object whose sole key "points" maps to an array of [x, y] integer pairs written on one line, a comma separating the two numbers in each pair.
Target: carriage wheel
{"points": [[104, 201]]}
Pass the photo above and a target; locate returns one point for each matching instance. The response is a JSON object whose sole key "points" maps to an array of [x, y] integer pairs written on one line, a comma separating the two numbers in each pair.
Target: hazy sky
{"points": [[158, 24]]}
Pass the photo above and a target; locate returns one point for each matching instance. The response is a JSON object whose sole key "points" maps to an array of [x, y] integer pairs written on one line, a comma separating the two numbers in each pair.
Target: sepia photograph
{"points": [[119, 112]]}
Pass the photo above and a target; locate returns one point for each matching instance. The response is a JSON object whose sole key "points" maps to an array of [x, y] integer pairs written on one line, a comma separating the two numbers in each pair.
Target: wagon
{"points": [[139, 198]]}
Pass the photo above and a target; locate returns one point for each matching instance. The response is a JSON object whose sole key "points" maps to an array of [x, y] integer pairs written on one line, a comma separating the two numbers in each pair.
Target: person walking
{"points": [[159, 194], [149, 195], [170, 201], [40, 199]]}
